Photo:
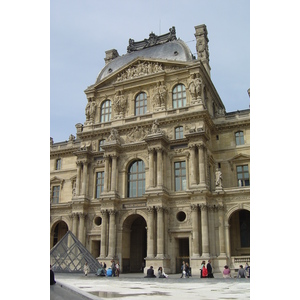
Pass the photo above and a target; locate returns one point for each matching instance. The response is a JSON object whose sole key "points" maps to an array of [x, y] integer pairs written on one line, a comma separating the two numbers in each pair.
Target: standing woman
{"points": [[86, 269], [202, 265]]}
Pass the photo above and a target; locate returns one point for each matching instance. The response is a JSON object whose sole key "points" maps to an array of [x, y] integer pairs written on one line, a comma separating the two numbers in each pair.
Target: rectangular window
{"points": [[180, 176], [243, 175], [99, 183], [55, 194], [58, 164], [239, 138]]}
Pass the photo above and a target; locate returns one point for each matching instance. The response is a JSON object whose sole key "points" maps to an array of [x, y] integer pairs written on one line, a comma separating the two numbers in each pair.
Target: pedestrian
{"points": [[209, 270], [241, 272], [86, 269], [52, 279], [247, 269], [113, 268], [201, 267], [204, 271], [150, 273], [161, 273], [226, 272], [117, 269], [187, 270], [183, 269]]}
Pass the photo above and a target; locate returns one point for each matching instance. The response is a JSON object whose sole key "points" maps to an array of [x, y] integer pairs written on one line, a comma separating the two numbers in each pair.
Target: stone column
{"points": [[221, 230], [103, 234], [84, 181], [106, 174], [114, 173], [150, 233], [112, 234], [159, 167], [227, 239], [151, 167], [78, 178], [195, 228], [74, 223], [202, 181], [81, 228], [192, 165], [204, 228], [160, 232]]}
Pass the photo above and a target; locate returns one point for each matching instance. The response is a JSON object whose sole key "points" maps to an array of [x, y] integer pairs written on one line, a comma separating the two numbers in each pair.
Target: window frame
{"points": [[176, 93], [143, 107], [243, 179], [182, 177], [239, 138], [133, 189], [55, 195], [99, 186], [179, 131], [58, 164], [105, 111]]}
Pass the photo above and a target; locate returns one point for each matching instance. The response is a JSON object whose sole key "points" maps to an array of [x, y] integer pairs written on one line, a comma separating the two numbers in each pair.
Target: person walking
{"points": [[187, 270], [183, 269], [247, 269], [226, 272], [241, 272], [201, 267], [117, 266], [209, 270], [86, 269]]}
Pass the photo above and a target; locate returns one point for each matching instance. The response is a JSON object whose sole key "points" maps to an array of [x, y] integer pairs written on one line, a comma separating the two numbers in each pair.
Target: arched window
{"points": [[106, 111], [141, 104], [179, 96], [239, 138], [136, 179], [179, 132]]}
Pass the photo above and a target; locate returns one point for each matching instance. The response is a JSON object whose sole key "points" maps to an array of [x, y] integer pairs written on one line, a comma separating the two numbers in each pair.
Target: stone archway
{"points": [[58, 231], [134, 243], [239, 223]]}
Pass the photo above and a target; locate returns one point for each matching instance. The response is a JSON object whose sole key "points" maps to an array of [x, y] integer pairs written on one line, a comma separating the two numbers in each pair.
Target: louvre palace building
{"points": [[159, 172]]}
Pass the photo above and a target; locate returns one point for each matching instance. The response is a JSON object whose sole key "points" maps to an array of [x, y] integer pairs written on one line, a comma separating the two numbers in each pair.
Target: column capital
{"points": [[221, 207], [159, 208], [150, 209], [194, 207], [203, 207], [112, 212]]}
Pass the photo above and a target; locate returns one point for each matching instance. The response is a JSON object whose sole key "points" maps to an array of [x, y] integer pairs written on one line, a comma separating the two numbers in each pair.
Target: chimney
{"points": [[110, 55], [202, 46]]}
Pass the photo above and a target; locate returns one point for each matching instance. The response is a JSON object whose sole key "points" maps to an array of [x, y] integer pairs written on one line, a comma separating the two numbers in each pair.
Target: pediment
{"points": [[239, 158], [57, 180], [138, 68]]}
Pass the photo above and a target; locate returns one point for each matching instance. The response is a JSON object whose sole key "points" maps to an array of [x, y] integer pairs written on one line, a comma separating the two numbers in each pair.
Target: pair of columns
{"points": [[159, 167], [79, 218], [204, 231], [112, 234], [110, 173], [201, 166], [160, 233]]}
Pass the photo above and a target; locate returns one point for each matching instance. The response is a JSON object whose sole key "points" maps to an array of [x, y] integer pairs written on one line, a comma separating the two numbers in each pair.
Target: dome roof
{"points": [[175, 50]]}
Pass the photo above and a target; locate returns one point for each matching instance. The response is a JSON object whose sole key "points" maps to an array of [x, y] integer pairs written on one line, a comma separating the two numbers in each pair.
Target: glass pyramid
{"points": [[69, 256]]}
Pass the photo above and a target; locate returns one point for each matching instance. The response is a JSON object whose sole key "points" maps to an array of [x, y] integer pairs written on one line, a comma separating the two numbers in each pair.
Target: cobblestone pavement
{"points": [[136, 287]]}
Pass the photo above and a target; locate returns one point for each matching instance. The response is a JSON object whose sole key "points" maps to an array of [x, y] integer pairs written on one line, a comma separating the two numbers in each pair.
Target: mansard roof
{"points": [[157, 47]]}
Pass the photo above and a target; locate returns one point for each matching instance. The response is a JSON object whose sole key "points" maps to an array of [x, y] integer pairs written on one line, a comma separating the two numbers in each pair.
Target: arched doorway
{"points": [[240, 233], [134, 243], [58, 231]]}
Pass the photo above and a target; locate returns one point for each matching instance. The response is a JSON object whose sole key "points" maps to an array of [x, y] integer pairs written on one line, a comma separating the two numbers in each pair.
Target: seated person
{"points": [[150, 273]]}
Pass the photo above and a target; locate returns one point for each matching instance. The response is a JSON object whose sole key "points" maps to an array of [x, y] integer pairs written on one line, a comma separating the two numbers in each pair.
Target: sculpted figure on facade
{"points": [[120, 105], [136, 134], [159, 96], [114, 136], [140, 69], [90, 111], [155, 127], [195, 87], [219, 179]]}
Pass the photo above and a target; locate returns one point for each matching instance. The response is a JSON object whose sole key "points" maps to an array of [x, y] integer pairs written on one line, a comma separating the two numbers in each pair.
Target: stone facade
{"points": [[159, 171]]}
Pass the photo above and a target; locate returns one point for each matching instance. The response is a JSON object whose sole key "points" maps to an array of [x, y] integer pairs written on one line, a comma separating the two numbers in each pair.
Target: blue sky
{"points": [[82, 30]]}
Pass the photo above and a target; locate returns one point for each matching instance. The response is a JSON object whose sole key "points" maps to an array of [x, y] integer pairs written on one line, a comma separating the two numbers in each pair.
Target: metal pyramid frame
{"points": [[69, 256]]}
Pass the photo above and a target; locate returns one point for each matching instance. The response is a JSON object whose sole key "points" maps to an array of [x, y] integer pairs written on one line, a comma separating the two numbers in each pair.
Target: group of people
{"points": [[242, 272], [113, 271], [160, 273], [205, 271]]}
